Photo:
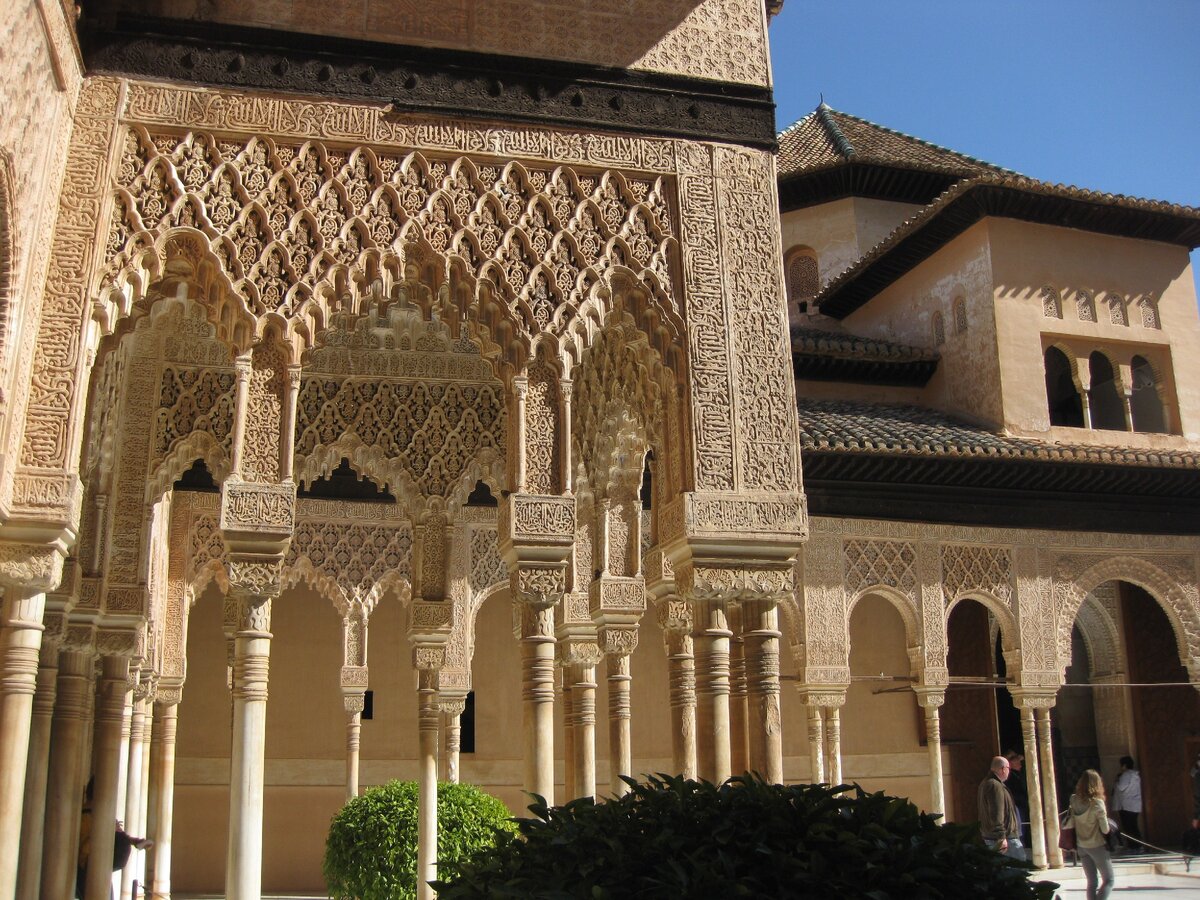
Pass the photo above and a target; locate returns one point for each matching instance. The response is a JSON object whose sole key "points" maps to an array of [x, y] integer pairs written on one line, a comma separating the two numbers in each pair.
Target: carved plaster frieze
{"points": [[535, 519], [772, 517], [258, 506]]}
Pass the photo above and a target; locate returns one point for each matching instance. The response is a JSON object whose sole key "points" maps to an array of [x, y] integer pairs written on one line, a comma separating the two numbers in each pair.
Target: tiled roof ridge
{"points": [[1018, 182], [825, 342], [825, 115], [997, 446]]}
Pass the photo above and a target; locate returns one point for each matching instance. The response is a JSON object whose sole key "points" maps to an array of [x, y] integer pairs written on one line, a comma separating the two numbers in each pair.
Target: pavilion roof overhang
{"points": [[1009, 197]]}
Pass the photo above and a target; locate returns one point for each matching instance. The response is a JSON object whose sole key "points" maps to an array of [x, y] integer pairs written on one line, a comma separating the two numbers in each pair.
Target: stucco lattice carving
{"points": [[887, 563], [350, 561], [264, 414], [281, 218], [430, 430], [543, 464], [967, 569], [487, 566]]}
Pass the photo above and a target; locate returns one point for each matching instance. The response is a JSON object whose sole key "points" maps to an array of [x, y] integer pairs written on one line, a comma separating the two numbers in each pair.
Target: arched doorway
{"points": [[1126, 693], [969, 728], [879, 717]]}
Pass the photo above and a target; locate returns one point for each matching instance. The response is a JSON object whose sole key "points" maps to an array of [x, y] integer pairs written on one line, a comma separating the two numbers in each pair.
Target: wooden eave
{"points": [[871, 181], [1003, 492]]}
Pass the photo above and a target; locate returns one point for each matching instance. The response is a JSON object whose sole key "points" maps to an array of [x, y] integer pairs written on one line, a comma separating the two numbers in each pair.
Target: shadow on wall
{"points": [[562, 29]]}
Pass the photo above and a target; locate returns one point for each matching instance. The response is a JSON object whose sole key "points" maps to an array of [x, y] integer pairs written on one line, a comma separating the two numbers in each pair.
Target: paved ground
{"points": [[1136, 879]]}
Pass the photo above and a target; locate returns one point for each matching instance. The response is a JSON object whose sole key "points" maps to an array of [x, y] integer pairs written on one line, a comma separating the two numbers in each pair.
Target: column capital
{"points": [[254, 579], [1026, 699], [930, 698], [826, 696], [573, 651]]}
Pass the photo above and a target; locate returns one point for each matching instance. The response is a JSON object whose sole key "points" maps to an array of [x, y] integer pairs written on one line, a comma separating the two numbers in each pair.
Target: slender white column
{"points": [[816, 743], [932, 702], [568, 718], [452, 711], [681, 668], [428, 715], [739, 738], [66, 779], [33, 820], [106, 751], [1033, 784], [711, 642], [252, 649], [159, 864], [126, 733], [833, 743], [133, 790], [537, 675], [764, 720], [620, 747], [583, 697], [20, 645], [1049, 789], [353, 735], [143, 818]]}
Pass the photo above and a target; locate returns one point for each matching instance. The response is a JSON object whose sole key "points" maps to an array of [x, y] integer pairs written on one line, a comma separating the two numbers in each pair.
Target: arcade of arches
{"points": [[321, 401]]}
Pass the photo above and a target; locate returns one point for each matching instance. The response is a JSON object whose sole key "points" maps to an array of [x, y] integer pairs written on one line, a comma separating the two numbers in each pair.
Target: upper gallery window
{"points": [[1085, 307], [1066, 406], [1145, 403], [1104, 397], [959, 307], [1051, 303]]}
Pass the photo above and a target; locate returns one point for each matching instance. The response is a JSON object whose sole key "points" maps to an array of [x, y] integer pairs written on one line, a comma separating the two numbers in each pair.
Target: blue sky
{"points": [[1097, 93]]}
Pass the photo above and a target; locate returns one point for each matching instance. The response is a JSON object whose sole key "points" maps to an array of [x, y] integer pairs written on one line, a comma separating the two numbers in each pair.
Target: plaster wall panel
{"points": [[967, 381], [39, 81], [204, 725], [1027, 257], [723, 40], [859, 393], [874, 722], [843, 230]]}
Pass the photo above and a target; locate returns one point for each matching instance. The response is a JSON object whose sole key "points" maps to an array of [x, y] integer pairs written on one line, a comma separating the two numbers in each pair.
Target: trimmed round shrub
{"points": [[371, 851], [672, 838]]}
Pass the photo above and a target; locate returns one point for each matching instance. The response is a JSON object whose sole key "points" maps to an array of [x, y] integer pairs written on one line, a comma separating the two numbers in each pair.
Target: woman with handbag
{"points": [[1089, 816]]}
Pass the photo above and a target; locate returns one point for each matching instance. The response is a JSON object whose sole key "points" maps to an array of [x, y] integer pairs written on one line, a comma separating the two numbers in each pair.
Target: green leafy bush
{"points": [[673, 838], [371, 851]]}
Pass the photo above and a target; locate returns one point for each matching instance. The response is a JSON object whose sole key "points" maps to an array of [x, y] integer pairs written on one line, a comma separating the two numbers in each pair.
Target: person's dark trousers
{"points": [[1129, 828]]}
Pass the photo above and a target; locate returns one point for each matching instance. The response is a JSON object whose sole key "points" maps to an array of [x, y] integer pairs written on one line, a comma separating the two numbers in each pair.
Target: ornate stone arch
{"points": [[1001, 613], [1178, 601], [1100, 637], [904, 603]]}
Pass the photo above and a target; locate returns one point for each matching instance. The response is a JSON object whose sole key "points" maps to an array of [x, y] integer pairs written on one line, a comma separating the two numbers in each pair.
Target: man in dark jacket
{"points": [[999, 821]]}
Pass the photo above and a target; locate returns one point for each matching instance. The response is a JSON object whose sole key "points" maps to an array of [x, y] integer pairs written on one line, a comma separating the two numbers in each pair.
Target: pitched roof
{"points": [[1003, 196], [827, 138], [868, 428]]}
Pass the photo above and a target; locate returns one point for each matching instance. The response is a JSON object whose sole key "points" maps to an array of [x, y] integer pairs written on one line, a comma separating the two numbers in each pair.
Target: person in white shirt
{"points": [[1127, 802]]}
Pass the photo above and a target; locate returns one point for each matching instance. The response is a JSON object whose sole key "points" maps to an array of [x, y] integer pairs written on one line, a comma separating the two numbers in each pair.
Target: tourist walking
{"points": [[999, 821], [1089, 816], [1127, 802]]}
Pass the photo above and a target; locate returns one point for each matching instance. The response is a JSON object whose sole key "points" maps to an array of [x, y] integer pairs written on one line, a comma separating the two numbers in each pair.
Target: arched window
{"points": [[960, 315], [803, 279], [1051, 303], [1149, 311], [1085, 307], [1145, 404], [939, 329], [1066, 407], [1116, 310], [1104, 399]]}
